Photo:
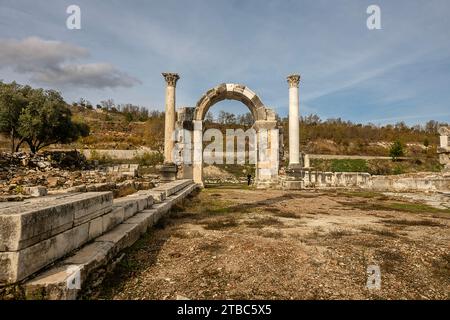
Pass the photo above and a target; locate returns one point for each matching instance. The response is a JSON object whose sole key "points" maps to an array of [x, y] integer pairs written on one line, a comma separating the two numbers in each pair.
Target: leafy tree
{"points": [[12, 102], [397, 150], [47, 120]]}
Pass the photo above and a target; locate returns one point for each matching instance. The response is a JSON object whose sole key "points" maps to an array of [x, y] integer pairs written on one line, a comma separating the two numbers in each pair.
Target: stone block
{"points": [[113, 218], [38, 191], [129, 205], [95, 228], [17, 265], [122, 236], [23, 224], [57, 283]]}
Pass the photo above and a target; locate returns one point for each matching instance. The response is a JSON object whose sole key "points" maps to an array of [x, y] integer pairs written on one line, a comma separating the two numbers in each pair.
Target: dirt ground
{"points": [[238, 243]]}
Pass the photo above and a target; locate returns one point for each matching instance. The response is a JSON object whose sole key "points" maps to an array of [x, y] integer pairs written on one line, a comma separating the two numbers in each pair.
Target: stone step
{"points": [[173, 186], [23, 224], [66, 278]]}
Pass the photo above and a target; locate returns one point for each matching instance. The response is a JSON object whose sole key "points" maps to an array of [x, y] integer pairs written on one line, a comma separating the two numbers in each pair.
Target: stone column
{"points": [[169, 127], [294, 140], [198, 152]]}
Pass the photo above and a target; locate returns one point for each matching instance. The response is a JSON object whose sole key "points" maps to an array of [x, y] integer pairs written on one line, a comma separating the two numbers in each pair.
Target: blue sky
{"points": [[399, 73]]}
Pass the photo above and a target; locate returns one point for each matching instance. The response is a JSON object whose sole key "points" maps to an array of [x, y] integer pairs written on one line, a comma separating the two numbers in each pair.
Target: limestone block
{"points": [[18, 265], [95, 228], [26, 223], [122, 236], [113, 218], [38, 191], [53, 284], [144, 200], [131, 205]]}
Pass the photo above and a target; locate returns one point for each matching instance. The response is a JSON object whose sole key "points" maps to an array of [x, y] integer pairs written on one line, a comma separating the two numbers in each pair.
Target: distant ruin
{"points": [[444, 148]]}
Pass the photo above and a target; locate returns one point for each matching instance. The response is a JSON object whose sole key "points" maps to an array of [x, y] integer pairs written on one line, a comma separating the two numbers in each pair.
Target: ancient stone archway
{"points": [[265, 121]]}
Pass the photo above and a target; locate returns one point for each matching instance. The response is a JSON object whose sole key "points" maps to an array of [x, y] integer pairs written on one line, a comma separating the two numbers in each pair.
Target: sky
{"points": [[398, 73]]}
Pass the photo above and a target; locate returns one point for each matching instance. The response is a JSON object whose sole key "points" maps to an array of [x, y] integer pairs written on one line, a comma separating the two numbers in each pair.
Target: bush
{"points": [[397, 150]]}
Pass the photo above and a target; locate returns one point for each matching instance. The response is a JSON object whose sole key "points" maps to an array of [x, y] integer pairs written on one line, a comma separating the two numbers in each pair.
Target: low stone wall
{"points": [[318, 179], [432, 182], [408, 182], [116, 154], [42, 231]]}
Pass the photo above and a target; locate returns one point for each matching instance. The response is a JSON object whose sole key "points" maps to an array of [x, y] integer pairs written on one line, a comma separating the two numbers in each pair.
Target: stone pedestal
{"points": [[168, 172], [294, 179]]}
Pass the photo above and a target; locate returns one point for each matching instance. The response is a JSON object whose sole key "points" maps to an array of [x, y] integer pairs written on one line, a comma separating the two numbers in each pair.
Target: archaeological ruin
{"points": [[52, 243]]}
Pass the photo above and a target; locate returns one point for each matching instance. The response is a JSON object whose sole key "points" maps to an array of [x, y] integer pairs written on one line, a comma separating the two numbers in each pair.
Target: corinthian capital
{"points": [[171, 78], [293, 80]]}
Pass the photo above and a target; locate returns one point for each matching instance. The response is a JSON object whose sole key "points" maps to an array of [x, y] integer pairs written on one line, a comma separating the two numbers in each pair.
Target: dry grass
{"points": [[406, 222]]}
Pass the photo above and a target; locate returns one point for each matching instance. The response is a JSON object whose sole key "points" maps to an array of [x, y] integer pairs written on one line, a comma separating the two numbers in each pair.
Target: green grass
{"points": [[349, 165], [394, 206]]}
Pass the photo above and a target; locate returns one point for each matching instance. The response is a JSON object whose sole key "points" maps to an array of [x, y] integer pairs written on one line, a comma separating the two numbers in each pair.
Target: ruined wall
{"points": [[398, 183]]}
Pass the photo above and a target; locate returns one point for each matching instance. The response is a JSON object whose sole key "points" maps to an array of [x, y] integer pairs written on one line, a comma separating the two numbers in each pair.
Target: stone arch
{"points": [[265, 120], [233, 91]]}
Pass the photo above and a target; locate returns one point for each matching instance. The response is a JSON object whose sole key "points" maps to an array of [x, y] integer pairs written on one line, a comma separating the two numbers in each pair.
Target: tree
{"points": [[12, 102], [209, 117], [48, 120], [397, 150]]}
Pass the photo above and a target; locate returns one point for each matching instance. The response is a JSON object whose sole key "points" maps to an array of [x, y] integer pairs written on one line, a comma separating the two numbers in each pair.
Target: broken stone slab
{"points": [[38, 191], [158, 196], [25, 224], [173, 187], [144, 200]]}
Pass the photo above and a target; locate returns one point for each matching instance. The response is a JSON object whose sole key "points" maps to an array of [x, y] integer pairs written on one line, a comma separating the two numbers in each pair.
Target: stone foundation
{"points": [[48, 230]]}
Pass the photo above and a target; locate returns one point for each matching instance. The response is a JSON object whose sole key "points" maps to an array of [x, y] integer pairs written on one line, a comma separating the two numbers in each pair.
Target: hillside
{"points": [[122, 129]]}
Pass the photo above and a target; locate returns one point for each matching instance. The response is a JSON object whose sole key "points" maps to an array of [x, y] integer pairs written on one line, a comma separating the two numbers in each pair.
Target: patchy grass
{"points": [[285, 214], [274, 234], [221, 223], [382, 233], [441, 266], [338, 233], [212, 247], [264, 222], [393, 206], [406, 222], [390, 259], [362, 194]]}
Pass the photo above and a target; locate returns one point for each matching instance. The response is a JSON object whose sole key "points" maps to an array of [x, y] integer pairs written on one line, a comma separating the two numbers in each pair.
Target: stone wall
{"points": [[408, 182]]}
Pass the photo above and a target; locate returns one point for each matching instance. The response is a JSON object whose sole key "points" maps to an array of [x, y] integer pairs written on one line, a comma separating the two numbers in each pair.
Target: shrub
{"points": [[397, 150]]}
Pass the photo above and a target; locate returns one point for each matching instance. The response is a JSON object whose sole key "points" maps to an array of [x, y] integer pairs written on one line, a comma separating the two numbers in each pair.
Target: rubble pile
{"points": [[64, 171]]}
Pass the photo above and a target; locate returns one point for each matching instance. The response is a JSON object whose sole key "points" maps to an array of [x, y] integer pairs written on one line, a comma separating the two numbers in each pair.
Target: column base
{"points": [[168, 172], [294, 179]]}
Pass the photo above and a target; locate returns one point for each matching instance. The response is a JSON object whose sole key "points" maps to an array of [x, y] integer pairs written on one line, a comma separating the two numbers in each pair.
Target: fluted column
{"points": [[169, 127], [294, 137]]}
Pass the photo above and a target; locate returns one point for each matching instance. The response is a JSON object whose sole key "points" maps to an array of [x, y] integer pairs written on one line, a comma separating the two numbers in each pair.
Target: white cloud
{"points": [[46, 62]]}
